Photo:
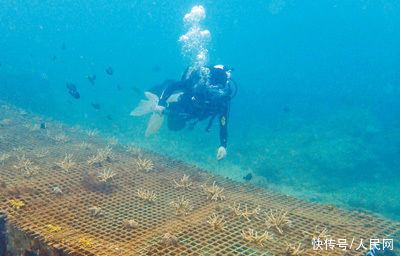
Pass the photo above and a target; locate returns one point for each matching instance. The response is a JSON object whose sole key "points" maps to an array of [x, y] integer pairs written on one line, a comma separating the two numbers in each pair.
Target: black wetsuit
{"points": [[206, 94]]}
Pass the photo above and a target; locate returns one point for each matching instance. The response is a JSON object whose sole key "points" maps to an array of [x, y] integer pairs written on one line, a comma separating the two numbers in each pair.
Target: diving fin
{"points": [[146, 106], [154, 124]]}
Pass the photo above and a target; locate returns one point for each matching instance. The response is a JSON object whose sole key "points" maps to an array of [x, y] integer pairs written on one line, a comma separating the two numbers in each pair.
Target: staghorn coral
{"points": [[4, 157], [320, 234], [102, 156], [216, 222], [144, 164], [84, 145], [184, 183], [67, 163], [213, 192], [61, 137], [245, 212], [182, 206], [252, 236], [92, 132], [26, 166], [95, 211], [169, 240], [85, 242], [146, 195], [57, 191], [129, 224], [112, 141], [15, 204], [41, 153], [53, 228], [277, 220], [133, 150], [106, 175], [293, 250]]}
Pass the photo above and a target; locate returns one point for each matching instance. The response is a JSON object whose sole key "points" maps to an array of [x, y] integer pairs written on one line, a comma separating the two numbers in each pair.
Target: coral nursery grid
{"points": [[80, 194]]}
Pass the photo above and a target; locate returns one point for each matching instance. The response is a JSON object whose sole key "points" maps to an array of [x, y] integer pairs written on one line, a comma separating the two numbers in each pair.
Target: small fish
{"points": [[54, 58], [109, 71], [63, 46], [136, 90], [43, 126], [109, 117], [286, 109], [71, 86], [73, 91], [248, 177], [95, 105], [119, 87], [91, 79], [156, 69]]}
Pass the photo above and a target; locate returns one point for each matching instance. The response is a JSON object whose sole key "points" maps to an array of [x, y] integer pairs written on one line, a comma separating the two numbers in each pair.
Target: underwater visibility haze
{"points": [[316, 111]]}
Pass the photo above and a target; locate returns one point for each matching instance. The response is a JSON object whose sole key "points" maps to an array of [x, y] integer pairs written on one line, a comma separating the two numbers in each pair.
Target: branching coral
{"points": [[106, 175], [184, 183], [133, 150], [129, 224], [213, 192], [244, 212], [92, 132], [293, 250], [53, 228], [85, 242], [112, 141], [61, 137], [277, 220], [67, 163], [182, 206], [146, 195], [4, 157], [41, 153], [252, 236], [320, 234], [169, 240], [16, 205], [144, 164], [216, 222], [95, 211], [103, 155], [26, 165]]}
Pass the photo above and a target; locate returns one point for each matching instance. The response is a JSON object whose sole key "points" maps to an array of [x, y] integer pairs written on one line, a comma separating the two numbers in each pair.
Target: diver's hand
{"points": [[221, 153], [159, 109]]}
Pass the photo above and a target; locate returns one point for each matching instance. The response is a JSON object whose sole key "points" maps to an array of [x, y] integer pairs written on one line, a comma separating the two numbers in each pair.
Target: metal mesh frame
{"points": [[118, 202]]}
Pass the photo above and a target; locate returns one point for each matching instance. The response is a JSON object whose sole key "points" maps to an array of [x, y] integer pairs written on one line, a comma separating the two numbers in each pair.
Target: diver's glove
{"points": [[159, 109], [221, 153]]}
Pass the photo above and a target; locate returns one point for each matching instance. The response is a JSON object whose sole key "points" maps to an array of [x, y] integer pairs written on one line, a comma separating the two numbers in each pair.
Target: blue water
{"points": [[316, 115]]}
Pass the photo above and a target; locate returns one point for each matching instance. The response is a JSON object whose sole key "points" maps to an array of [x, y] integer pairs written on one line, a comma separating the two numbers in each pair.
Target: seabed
{"points": [[66, 191]]}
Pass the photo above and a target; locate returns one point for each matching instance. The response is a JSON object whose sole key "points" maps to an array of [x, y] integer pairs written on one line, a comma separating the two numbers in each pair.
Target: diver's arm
{"points": [[173, 87], [223, 132]]}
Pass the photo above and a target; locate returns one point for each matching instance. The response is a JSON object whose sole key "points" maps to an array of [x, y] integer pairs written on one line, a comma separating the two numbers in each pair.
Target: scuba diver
{"points": [[202, 93]]}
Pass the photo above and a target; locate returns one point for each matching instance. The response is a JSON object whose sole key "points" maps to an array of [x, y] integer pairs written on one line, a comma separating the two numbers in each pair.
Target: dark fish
{"points": [[54, 58], [43, 126], [109, 117], [74, 94], [95, 105], [71, 86], [73, 91], [156, 69], [63, 46], [91, 79], [119, 87], [136, 90], [286, 109], [109, 71], [248, 177]]}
